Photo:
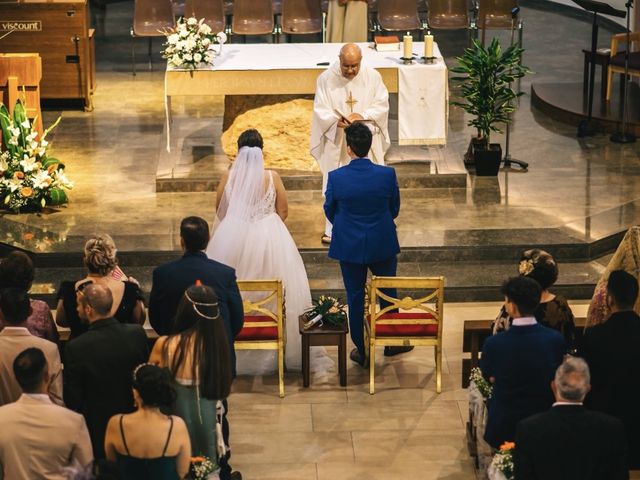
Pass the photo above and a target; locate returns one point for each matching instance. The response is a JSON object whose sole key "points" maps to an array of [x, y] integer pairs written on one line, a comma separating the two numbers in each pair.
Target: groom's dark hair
{"points": [[194, 232], [359, 138], [250, 138]]}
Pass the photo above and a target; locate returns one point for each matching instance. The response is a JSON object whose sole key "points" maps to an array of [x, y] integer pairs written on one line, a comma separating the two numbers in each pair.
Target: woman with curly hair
{"points": [[553, 311], [102, 265]]}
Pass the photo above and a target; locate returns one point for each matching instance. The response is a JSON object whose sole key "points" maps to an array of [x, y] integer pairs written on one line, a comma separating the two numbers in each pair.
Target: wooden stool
{"points": [[602, 57], [326, 335]]}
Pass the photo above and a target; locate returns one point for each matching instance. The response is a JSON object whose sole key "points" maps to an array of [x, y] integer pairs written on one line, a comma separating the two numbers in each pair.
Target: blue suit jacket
{"points": [[172, 279], [361, 201], [523, 361]]}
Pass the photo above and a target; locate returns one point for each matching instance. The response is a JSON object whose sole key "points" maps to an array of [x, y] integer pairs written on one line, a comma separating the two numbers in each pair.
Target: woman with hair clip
{"points": [[197, 355], [250, 236], [147, 444]]}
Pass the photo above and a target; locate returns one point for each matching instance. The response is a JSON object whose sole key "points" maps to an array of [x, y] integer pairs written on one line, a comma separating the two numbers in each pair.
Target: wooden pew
{"points": [[474, 334], [20, 75]]}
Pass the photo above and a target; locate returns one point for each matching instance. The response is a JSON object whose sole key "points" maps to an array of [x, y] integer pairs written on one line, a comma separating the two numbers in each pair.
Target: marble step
{"points": [[466, 281]]}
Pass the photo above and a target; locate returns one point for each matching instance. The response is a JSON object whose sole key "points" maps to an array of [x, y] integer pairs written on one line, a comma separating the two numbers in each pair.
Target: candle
{"points": [[407, 44], [428, 45]]}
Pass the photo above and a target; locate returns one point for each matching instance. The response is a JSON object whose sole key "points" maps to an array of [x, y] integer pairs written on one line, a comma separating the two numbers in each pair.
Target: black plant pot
{"points": [[487, 161]]}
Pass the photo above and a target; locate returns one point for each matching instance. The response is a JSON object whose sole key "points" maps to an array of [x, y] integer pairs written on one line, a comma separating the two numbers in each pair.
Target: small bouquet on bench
{"points": [[501, 467], [200, 468], [326, 309], [484, 387]]}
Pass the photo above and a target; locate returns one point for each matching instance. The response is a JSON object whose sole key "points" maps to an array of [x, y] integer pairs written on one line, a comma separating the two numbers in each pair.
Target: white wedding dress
{"points": [[253, 239]]}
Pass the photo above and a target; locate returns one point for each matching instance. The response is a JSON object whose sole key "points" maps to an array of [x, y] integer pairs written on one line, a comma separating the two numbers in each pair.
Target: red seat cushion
{"points": [[268, 332], [383, 330]]}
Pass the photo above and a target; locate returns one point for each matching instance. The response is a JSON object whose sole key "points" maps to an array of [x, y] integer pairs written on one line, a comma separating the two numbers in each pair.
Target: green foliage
{"points": [[485, 84]]}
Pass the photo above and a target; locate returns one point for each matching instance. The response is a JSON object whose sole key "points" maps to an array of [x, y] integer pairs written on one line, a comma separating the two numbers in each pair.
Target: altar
{"points": [[284, 69]]}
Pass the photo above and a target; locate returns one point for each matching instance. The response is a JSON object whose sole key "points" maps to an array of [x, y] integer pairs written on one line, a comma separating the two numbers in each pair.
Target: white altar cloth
{"points": [[292, 68]]}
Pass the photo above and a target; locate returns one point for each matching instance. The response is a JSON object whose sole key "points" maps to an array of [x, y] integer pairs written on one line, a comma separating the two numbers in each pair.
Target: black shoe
{"points": [[391, 351], [236, 475], [356, 357]]}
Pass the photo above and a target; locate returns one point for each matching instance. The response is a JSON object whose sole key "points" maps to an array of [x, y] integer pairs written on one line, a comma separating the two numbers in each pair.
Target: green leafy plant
{"points": [[485, 85]]}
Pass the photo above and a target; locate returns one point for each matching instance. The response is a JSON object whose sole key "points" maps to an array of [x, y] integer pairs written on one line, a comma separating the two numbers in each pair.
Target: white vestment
{"points": [[365, 94]]}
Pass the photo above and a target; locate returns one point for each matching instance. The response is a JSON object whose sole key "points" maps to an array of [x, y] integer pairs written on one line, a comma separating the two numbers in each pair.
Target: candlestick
{"points": [[428, 45], [407, 46]]}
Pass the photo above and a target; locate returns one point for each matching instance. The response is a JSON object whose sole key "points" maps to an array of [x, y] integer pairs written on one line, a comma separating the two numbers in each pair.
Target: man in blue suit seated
{"points": [[361, 201], [520, 363]]}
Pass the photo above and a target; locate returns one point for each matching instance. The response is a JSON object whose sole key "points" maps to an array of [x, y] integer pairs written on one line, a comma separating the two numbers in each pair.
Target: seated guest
{"points": [[147, 444], [611, 350], [627, 258], [14, 338], [17, 271], [570, 442], [520, 363], [39, 439], [102, 265], [198, 357], [553, 311], [98, 364]]}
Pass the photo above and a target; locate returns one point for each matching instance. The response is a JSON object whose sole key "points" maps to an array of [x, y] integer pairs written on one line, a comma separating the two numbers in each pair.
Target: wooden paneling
{"points": [[60, 33]]}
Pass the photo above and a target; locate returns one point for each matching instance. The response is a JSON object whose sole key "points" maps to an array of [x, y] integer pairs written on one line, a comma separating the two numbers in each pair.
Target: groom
{"points": [[362, 199]]}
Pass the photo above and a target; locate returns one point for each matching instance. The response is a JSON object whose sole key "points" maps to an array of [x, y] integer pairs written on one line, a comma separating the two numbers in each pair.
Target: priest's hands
{"points": [[354, 117]]}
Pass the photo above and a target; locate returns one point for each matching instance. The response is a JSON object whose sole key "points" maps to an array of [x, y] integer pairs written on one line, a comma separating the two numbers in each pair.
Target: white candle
{"points": [[428, 45], [407, 44]]}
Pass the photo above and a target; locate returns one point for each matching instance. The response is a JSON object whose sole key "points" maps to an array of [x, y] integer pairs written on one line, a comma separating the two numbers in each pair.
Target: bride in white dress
{"points": [[250, 236]]}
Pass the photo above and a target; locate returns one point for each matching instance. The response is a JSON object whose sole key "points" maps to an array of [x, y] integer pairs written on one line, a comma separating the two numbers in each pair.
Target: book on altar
{"points": [[387, 43]]}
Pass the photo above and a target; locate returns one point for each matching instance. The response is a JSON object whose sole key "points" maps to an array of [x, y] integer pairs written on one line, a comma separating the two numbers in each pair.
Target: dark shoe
{"points": [[356, 357], [326, 239], [236, 475], [391, 351]]}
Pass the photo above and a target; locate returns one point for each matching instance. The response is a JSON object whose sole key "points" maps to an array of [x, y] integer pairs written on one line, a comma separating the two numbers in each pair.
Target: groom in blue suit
{"points": [[361, 201]]}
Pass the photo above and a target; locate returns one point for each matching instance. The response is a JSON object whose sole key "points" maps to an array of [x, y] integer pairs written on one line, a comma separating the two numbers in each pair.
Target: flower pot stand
{"points": [[325, 335]]}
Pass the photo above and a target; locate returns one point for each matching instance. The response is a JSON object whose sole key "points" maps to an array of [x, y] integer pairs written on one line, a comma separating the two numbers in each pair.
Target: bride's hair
{"points": [[250, 138]]}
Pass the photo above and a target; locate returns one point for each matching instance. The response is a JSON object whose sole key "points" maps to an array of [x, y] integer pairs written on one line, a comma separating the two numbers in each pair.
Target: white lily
{"points": [[62, 180], [173, 38], [42, 180], [197, 58], [28, 163], [192, 21], [25, 123]]}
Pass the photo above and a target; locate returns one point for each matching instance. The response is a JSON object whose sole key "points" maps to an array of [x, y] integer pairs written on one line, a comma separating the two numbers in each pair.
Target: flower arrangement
{"points": [[29, 178], [502, 463], [481, 383], [327, 309], [191, 43], [201, 467]]}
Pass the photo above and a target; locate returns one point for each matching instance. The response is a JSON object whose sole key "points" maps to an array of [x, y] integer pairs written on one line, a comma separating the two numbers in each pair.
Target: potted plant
{"points": [[485, 88]]}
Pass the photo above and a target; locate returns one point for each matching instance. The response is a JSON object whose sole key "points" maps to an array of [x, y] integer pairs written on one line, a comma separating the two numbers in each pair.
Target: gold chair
{"points": [[422, 326], [616, 63], [264, 324]]}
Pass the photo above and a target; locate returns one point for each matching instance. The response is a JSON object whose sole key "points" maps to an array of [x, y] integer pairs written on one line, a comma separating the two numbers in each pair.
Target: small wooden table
{"points": [[325, 335]]}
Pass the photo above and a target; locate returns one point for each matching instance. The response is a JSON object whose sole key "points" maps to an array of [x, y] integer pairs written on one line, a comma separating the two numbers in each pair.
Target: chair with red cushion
{"points": [[264, 328], [409, 321]]}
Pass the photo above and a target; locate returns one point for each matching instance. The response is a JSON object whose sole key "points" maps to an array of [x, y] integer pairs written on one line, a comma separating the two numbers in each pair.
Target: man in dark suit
{"points": [[520, 363], [570, 442], [169, 284], [98, 365], [172, 279], [362, 200], [612, 350]]}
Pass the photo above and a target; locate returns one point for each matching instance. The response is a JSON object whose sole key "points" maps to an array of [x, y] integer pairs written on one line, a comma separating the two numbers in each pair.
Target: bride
{"points": [[250, 236]]}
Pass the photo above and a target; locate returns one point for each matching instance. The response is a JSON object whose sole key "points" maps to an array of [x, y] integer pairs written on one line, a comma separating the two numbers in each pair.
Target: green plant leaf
{"points": [[57, 196]]}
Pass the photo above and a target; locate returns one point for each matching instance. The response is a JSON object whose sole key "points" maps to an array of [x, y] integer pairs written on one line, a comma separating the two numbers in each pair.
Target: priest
{"points": [[347, 92]]}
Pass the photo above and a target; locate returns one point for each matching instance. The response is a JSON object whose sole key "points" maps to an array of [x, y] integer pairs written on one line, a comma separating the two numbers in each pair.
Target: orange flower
{"points": [[26, 192], [52, 167], [507, 446], [19, 175], [28, 236], [197, 459]]}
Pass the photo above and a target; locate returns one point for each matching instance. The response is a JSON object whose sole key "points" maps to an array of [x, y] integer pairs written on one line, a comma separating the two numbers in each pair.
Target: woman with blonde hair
{"points": [[102, 266], [627, 258]]}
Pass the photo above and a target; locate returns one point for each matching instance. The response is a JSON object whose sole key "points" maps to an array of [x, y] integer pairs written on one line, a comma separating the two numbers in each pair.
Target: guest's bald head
{"points": [[350, 59], [97, 297]]}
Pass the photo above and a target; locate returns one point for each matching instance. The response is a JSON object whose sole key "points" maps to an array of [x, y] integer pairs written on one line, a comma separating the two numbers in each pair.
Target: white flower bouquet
{"points": [[191, 44], [200, 468], [501, 467], [484, 387], [29, 178]]}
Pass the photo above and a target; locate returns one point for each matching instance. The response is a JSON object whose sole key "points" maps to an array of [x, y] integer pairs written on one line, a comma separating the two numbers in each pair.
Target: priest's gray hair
{"points": [[573, 379]]}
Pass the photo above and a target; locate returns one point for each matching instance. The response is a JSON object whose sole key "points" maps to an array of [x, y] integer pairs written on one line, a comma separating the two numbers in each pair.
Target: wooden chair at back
{"points": [[407, 321], [616, 63], [302, 17], [151, 18], [253, 17], [211, 10], [20, 75], [499, 15], [264, 324], [399, 15], [448, 15]]}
